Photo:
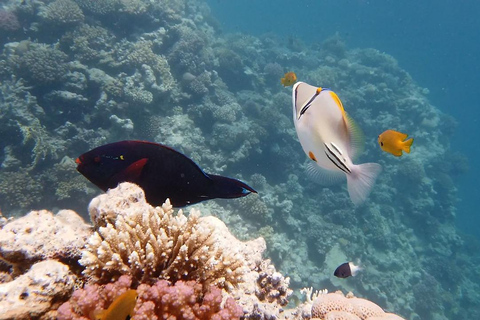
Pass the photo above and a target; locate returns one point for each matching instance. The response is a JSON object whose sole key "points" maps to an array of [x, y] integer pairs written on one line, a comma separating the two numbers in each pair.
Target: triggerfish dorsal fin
{"points": [[357, 138]]}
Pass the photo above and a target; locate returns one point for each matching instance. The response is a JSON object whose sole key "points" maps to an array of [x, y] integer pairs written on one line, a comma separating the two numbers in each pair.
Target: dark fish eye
{"points": [[96, 159]]}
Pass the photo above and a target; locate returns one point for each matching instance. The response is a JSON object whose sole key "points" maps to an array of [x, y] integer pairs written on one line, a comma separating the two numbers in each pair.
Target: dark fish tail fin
{"points": [[228, 188]]}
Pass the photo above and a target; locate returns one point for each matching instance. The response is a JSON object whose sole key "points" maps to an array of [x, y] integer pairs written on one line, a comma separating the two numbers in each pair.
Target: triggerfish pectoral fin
{"points": [[407, 144], [228, 188], [361, 181]]}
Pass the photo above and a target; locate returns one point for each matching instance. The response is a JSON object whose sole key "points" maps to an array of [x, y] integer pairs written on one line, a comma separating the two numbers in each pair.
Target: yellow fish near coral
{"points": [[121, 308], [394, 142], [289, 79], [331, 139]]}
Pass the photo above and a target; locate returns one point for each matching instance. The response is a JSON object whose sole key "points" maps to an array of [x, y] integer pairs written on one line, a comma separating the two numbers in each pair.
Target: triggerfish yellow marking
{"points": [[120, 309], [327, 132], [394, 142], [289, 79]]}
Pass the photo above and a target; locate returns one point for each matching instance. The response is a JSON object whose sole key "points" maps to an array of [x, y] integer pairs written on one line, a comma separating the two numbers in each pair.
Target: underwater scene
{"points": [[193, 159]]}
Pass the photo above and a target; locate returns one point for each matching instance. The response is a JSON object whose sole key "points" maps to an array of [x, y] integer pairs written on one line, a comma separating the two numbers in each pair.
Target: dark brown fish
{"points": [[159, 170]]}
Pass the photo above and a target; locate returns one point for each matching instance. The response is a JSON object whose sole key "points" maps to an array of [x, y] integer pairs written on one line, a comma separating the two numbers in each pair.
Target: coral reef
{"points": [[148, 243], [163, 71]]}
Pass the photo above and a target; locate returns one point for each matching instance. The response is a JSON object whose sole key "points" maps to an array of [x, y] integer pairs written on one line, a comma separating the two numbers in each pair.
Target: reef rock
{"points": [[41, 235], [33, 294]]}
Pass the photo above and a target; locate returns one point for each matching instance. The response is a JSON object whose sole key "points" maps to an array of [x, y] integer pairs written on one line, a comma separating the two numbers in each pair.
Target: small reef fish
{"points": [[120, 309], [159, 170], [346, 270], [393, 142], [289, 79], [331, 139]]}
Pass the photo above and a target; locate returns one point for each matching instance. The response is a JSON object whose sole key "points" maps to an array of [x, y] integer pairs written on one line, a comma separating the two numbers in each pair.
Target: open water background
{"points": [[437, 42]]}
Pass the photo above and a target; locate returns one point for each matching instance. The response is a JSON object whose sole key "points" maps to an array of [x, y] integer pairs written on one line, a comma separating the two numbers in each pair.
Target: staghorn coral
{"points": [[62, 12], [135, 238], [100, 7], [89, 43], [44, 144], [42, 64], [162, 300], [337, 306], [19, 190]]}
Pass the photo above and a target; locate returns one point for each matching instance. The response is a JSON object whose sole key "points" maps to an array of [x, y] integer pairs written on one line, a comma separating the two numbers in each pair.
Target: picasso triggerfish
{"points": [[159, 170], [331, 139], [394, 142]]}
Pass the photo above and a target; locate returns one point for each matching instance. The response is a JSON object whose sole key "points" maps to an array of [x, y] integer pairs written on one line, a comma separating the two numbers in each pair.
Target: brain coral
{"points": [[337, 306], [134, 238]]}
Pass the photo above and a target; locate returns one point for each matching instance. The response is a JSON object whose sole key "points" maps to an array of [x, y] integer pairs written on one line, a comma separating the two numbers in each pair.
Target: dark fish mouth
{"points": [[78, 161]]}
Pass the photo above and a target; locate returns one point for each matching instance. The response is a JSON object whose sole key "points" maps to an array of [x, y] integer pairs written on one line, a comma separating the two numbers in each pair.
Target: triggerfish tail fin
{"points": [[228, 188], [407, 144], [361, 181]]}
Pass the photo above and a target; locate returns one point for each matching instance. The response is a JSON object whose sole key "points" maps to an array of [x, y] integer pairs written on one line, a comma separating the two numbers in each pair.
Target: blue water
{"points": [[437, 42]]}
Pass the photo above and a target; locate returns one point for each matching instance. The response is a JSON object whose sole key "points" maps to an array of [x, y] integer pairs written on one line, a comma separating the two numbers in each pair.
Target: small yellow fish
{"points": [[394, 142], [289, 79], [120, 309]]}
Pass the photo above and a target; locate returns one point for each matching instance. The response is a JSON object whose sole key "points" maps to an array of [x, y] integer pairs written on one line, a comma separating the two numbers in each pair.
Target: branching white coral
{"points": [[135, 238]]}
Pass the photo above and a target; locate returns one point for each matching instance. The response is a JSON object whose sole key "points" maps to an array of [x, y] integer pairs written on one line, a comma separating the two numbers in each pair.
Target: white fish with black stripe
{"points": [[331, 139]]}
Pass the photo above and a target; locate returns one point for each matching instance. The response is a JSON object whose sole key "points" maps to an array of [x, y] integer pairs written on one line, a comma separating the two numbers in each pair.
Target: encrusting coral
{"points": [[134, 238]]}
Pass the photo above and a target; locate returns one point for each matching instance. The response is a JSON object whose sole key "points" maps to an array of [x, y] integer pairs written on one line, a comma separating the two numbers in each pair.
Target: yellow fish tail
{"points": [[407, 144]]}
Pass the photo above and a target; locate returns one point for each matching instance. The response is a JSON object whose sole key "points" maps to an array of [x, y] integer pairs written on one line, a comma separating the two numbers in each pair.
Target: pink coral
{"points": [[93, 297], [184, 300], [163, 300]]}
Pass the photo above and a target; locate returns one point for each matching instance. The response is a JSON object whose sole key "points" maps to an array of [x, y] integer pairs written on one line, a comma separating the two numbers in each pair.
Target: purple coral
{"points": [[8, 21]]}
